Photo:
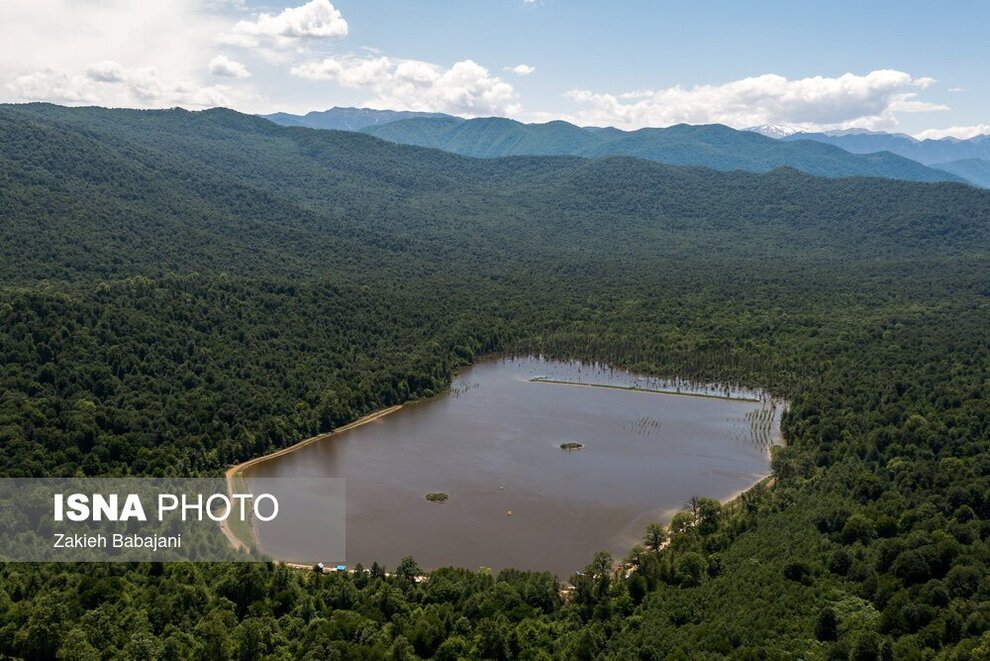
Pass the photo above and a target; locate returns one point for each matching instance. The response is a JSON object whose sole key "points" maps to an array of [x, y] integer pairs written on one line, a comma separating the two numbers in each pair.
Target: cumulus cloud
{"points": [[222, 65], [960, 132], [465, 88], [174, 36], [317, 19], [109, 83], [521, 69], [107, 71], [845, 101], [101, 81], [90, 55], [56, 86]]}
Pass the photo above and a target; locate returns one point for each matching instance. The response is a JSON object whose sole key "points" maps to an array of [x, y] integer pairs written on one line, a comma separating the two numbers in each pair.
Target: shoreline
{"points": [[730, 398], [237, 470], [767, 481]]}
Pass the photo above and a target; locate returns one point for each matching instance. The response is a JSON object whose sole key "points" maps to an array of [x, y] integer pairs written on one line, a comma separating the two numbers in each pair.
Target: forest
{"points": [[182, 291]]}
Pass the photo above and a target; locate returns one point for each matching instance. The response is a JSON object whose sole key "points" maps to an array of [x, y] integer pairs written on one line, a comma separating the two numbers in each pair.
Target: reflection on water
{"points": [[494, 445]]}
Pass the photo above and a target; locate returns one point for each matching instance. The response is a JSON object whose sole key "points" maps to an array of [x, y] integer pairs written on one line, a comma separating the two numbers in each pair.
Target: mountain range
{"points": [[969, 159], [716, 146], [280, 199], [347, 119], [928, 152], [833, 154]]}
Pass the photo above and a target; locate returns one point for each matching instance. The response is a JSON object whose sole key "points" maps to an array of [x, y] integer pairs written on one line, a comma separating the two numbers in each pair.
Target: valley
{"points": [[185, 291]]}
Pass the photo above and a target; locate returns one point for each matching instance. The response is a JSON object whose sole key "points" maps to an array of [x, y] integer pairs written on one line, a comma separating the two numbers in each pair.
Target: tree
{"points": [[253, 638], [408, 569], [655, 537], [144, 645], [213, 635], [827, 625], [601, 570], [495, 638], [691, 567], [402, 650], [858, 528], [453, 649], [638, 588], [709, 513], [75, 647], [681, 523], [868, 646], [41, 636]]}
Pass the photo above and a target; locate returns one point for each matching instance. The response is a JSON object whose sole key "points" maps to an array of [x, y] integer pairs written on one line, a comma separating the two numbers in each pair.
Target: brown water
{"points": [[493, 444]]}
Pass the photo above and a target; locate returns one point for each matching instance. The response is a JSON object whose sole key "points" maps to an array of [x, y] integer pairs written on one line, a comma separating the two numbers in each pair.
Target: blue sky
{"points": [[914, 67]]}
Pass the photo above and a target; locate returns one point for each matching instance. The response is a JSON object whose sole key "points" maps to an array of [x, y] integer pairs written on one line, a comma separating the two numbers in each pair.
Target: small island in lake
{"points": [[571, 446], [437, 497]]}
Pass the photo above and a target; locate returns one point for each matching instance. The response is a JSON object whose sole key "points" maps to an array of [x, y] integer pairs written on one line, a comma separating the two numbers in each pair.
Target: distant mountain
{"points": [[715, 146], [347, 119], [773, 130], [492, 137], [855, 131], [92, 193], [975, 170], [928, 152]]}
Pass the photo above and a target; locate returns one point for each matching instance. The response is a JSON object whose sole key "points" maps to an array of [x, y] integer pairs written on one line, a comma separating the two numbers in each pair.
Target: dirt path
{"points": [[237, 471]]}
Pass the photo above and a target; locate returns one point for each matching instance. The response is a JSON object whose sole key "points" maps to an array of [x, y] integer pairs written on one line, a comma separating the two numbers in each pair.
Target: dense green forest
{"points": [[183, 290]]}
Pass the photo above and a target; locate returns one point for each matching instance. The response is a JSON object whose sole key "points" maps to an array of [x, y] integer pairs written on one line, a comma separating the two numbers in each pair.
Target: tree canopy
{"points": [[181, 291]]}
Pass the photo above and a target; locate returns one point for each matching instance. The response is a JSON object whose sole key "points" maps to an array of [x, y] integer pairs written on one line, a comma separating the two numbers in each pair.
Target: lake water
{"points": [[493, 444]]}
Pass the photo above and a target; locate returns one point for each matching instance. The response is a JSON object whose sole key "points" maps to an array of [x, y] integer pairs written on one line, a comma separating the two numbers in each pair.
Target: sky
{"points": [[906, 66]]}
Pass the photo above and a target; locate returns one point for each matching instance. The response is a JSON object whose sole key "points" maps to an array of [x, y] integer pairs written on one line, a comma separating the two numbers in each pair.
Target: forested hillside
{"points": [[185, 290], [714, 146]]}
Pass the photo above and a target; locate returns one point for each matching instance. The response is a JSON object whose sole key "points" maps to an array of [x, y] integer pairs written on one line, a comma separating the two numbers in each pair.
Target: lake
{"points": [[493, 444]]}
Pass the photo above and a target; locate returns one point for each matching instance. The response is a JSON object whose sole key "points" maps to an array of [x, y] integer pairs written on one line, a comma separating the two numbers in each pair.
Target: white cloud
{"points": [[152, 54], [317, 19], [960, 132], [845, 101], [222, 65], [521, 69], [56, 86], [174, 37], [110, 84], [104, 83], [465, 88], [117, 53], [107, 71]]}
